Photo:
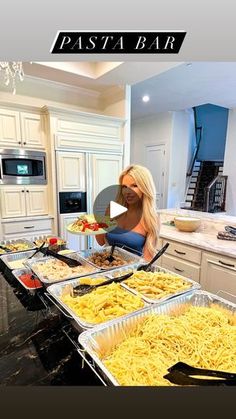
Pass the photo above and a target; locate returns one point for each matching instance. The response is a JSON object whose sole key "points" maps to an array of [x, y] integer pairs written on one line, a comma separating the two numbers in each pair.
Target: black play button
{"points": [[122, 204]]}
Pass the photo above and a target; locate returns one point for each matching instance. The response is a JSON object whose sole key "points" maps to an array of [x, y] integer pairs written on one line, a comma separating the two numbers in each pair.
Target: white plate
{"points": [[91, 232]]}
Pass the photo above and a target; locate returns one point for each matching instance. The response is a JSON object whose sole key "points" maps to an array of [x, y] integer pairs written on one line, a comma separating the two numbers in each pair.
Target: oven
{"points": [[71, 206], [72, 202], [22, 167]]}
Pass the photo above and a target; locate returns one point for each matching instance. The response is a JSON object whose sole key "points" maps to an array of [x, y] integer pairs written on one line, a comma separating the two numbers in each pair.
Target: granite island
{"points": [[34, 344]]}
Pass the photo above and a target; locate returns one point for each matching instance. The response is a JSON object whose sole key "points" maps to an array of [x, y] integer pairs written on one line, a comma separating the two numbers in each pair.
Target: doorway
{"points": [[155, 157]]}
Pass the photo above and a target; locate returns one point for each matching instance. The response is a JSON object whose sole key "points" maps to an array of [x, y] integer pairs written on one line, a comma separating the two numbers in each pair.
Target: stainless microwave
{"points": [[22, 167]]}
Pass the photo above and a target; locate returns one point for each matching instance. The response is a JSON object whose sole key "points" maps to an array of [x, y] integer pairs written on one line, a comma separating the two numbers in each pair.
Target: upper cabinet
{"points": [[71, 171], [21, 129], [82, 131]]}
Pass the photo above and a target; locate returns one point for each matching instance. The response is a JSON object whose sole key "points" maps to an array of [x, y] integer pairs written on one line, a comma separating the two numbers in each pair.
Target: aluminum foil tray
{"points": [[130, 258], [11, 257], [75, 255], [193, 284], [56, 290], [18, 272], [43, 238], [103, 338], [29, 244]]}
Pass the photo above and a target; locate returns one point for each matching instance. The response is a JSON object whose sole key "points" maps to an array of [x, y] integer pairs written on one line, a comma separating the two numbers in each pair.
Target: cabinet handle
{"points": [[226, 264], [180, 253], [27, 191], [26, 227], [19, 142], [179, 270], [24, 143], [22, 190]]}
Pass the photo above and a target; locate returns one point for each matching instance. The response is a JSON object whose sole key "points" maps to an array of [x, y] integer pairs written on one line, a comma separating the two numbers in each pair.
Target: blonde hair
{"points": [[145, 183]]}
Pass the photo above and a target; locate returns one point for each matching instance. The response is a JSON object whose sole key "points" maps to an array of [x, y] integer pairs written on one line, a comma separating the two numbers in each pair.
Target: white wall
{"points": [[174, 129], [230, 163], [179, 154]]}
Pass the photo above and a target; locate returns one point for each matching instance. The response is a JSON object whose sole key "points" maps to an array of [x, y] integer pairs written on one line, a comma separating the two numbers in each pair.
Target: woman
{"points": [[137, 193]]}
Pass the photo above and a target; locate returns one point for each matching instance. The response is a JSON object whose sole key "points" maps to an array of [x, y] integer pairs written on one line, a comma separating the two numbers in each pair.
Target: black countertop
{"points": [[34, 344]]}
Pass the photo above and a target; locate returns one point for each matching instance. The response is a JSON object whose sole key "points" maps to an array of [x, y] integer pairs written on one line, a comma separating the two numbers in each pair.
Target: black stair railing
{"points": [[215, 194]]}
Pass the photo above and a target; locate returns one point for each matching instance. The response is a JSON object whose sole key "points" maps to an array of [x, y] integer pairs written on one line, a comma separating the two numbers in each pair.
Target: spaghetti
{"points": [[203, 337]]}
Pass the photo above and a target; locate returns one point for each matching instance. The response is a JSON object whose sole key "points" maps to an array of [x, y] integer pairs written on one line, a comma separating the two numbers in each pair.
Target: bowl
{"points": [[188, 224]]}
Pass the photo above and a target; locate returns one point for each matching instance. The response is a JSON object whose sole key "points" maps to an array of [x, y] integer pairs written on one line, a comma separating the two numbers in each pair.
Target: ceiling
{"points": [[170, 85]]}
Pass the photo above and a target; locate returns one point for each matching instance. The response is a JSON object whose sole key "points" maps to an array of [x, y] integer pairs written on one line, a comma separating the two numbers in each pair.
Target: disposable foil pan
{"points": [[193, 284], [56, 291], [75, 255], [103, 338], [10, 257], [44, 238], [18, 272], [130, 258], [29, 244]]}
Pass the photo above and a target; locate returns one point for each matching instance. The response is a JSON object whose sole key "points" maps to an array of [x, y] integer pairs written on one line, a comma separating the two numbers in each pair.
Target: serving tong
{"points": [[72, 263], [184, 374], [38, 250], [5, 249], [83, 289]]}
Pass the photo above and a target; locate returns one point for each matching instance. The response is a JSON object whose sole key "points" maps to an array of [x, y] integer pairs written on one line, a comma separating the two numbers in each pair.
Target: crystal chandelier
{"points": [[12, 71]]}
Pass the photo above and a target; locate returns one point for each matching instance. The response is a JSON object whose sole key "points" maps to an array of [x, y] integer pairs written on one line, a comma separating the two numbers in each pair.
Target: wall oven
{"points": [[22, 167]]}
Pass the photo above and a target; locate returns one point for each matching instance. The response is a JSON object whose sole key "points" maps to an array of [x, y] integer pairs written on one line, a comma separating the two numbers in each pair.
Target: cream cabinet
{"points": [[71, 171], [21, 129], [26, 227], [74, 242], [218, 275], [20, 201], [32, 131], [10, 132], [105, 171], [182, 259]]}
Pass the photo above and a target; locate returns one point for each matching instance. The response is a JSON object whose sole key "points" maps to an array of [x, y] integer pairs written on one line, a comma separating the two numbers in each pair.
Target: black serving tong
{"points": [[147, 266], [5, 249], [183, 374], [110, 258], [83, 289], [72, 263], [36, 251]]}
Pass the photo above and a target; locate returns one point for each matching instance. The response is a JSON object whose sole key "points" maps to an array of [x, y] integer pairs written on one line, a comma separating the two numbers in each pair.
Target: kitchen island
{"points": [[34, 347]]}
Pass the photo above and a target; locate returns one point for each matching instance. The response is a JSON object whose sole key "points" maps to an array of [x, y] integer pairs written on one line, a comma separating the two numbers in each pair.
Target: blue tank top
{"points": [[128, 239]]}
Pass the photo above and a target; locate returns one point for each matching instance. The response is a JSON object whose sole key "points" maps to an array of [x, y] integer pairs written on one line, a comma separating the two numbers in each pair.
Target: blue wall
{"points": [[214, 120]]}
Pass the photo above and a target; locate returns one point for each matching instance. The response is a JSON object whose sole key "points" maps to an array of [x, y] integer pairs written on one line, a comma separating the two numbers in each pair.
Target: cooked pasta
{"points": [[103, 304], [157, 285], [54, 270], [201, 336]]}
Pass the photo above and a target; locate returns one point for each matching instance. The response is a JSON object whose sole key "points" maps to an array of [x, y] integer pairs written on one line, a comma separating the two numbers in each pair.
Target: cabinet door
{"points": [[10, 134], [218, 275], [74, 242], [36, 200], [32, 131], [105, 172], [13, 201], [71, 171]]}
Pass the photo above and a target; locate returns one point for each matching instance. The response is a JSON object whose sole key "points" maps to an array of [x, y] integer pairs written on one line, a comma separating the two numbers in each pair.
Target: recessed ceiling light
{"points": [[145, 98]]}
